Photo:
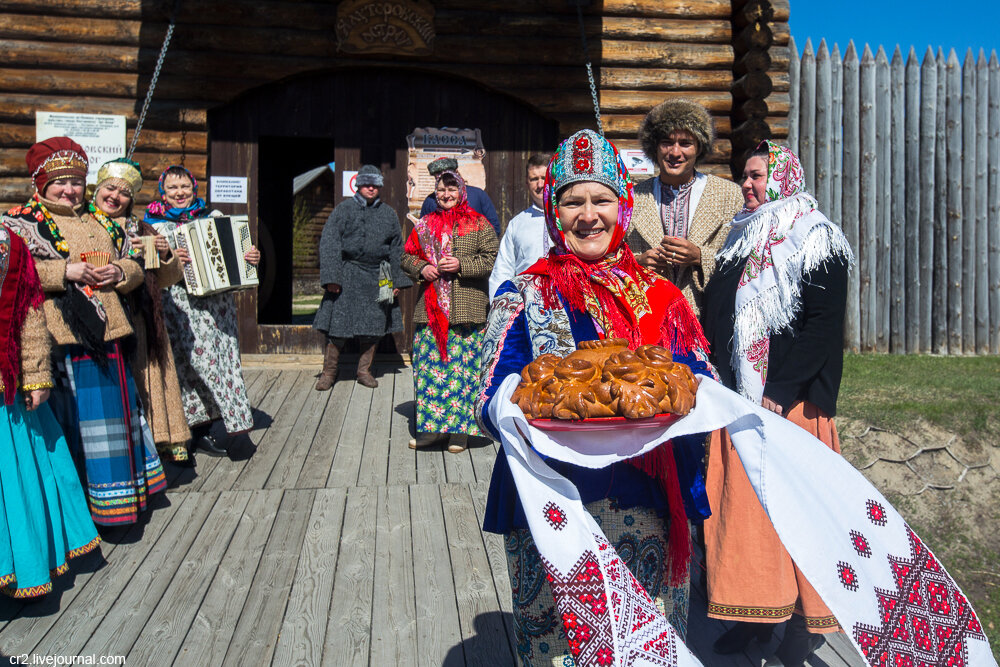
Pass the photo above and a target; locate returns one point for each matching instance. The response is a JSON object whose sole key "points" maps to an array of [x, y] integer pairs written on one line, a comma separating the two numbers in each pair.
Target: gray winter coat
{"points": [[357, 237]]}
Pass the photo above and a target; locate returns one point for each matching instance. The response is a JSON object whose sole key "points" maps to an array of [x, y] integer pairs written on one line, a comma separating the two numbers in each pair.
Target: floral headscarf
{"points": [[782, 240], [158, 211], [611, 290], [587, 156]]}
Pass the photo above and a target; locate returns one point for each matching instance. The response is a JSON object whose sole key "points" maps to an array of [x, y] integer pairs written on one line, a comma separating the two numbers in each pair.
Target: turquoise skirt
{"points": [[46, 520]]}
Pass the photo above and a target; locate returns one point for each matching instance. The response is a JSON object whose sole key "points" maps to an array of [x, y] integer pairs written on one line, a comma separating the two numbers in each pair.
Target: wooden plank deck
{"points": [[323, 541]]}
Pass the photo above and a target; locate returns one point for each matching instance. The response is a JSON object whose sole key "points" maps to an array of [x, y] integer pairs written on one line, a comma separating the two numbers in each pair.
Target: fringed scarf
{"points": [[431, 240], [20, 291], [783, 240], [82, 311]]}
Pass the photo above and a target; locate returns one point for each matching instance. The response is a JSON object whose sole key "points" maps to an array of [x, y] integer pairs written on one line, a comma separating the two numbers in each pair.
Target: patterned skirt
{"points": [[750, 575], [99, 413], [638, 534], [446, 390], [45, 517], [205, 341]]}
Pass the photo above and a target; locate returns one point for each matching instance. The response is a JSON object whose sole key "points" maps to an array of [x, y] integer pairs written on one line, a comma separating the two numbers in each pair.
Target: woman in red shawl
{"points": [[450, 253], [590, 287]]}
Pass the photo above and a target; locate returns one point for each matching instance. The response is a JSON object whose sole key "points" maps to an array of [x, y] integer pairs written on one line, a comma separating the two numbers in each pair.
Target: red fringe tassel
{"points": [[660, 465]]}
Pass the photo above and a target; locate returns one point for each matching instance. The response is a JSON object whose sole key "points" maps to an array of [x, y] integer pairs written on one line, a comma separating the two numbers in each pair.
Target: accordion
{"points": [[216, 247]]}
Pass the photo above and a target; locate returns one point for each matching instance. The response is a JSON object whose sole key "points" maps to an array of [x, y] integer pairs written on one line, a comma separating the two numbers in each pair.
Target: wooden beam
{"points": [[164, 115], [188, 142]]}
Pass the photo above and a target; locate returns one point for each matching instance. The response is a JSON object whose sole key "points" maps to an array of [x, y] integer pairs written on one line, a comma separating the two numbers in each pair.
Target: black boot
{"points": [[202, 439], [738, 637], [797, 644]]}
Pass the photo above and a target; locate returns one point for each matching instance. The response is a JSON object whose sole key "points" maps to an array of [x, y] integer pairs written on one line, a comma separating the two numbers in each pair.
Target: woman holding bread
{"points": [[590, 288], [86, 265], [774, 314]]}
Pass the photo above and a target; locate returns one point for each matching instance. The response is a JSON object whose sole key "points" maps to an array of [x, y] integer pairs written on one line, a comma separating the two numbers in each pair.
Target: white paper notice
{"points": [[228, 190], [637, 163], [101, 136], [350, 183]]}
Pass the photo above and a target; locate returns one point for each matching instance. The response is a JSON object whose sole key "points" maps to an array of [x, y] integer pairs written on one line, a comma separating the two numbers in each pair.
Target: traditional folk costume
{"points": [[449, 314], [95, 399], [45, 517], [698, 210], [153, 362], [774, 315], [361, 246], [204, 335], [639, 504]]}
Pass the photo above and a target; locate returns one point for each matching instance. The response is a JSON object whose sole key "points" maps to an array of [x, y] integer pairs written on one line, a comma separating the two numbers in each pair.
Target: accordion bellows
{"points": [[216, 247]]}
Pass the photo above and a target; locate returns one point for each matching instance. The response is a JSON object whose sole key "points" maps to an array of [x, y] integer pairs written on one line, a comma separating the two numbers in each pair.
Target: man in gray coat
{"points": [[360, 240]]}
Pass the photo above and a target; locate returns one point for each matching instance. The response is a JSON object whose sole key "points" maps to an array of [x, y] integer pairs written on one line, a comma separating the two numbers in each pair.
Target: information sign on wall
{"points": [[228, 190], [102, 136], [350, 183], [637, 163], [429, 143]]}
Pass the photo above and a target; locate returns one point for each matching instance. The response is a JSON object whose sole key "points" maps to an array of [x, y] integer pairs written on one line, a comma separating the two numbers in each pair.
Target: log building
{"points": [[270, 89]]}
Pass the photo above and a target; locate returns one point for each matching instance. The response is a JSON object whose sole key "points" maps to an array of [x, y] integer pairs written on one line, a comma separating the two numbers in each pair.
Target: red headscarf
{"points": [[430, 240], [58, 157]]}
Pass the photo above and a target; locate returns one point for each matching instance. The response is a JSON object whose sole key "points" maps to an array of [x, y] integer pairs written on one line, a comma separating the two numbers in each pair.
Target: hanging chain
{"points": [[590, 69], [152, 82]]}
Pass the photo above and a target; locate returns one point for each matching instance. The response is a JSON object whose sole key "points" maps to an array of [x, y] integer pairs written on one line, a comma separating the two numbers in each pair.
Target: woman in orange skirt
{"points": [[774, 317]]}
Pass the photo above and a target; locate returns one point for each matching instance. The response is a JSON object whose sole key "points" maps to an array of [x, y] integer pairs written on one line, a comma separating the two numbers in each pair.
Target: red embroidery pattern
{"points": [[757, 355], [555, 516], [583, 155], [861, 544], [583, 608], [848, 577], [926, 621], [876, 513]]}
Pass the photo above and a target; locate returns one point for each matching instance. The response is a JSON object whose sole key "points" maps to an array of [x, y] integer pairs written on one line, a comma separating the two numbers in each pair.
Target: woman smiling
{"points": [[589, 287]]}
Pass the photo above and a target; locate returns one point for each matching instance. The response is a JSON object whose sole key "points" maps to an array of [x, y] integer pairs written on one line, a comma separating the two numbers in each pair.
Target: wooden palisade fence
{"points": [[904, 155]]}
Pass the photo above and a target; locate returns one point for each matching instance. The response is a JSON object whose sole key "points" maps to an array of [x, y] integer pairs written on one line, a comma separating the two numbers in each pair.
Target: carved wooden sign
{"points": [[398, 27]]}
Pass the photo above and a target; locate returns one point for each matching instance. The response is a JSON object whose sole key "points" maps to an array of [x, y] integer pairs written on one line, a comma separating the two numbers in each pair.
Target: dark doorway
{"points": [[278, 131], [281, 160]]}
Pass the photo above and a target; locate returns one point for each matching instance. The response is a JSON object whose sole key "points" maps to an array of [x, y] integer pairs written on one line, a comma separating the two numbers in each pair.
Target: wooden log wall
{"points": [[761, 70], [90, 57], [904, 155]]}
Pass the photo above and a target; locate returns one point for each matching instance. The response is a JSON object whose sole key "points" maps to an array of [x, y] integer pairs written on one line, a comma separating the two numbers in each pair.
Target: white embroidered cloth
{"points": [[889, 593]]}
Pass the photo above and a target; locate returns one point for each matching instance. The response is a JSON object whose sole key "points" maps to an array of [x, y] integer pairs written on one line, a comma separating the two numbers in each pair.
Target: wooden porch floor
{"points": [[326, 542]]}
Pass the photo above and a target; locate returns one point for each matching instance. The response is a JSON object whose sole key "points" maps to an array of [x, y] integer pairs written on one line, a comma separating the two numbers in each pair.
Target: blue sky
{"points": [[917, 23]]}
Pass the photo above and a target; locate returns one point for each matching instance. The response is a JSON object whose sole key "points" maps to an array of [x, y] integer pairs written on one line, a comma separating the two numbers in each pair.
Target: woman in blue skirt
{"points": [[45, 516]]}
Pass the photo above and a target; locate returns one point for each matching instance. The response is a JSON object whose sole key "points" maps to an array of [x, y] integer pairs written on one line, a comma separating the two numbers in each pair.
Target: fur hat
{"points": [[672, 115], [442, 164], [369, 175]]}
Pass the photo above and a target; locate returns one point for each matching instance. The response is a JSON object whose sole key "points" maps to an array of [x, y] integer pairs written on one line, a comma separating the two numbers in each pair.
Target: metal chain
{"points": [[590, 69], [152, 84]]}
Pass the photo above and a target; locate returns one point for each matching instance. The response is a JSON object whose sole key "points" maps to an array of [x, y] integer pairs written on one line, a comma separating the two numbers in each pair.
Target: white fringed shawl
{"points": [[783, 241]]}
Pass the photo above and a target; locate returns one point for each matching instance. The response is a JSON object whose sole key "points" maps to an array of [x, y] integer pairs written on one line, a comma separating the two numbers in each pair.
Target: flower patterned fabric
{"points": [[446, 390], [207, 354]]}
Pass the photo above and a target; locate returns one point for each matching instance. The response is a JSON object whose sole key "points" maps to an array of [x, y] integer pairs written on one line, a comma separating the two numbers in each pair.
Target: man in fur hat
{"points": [[478, 199], [679, 219]]}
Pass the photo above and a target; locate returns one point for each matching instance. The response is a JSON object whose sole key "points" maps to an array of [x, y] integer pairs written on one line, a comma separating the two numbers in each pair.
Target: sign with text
{"points": [[228, 190], [637, 163], [350, 183], [429, 143], [102, 136], [396, 27]]}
